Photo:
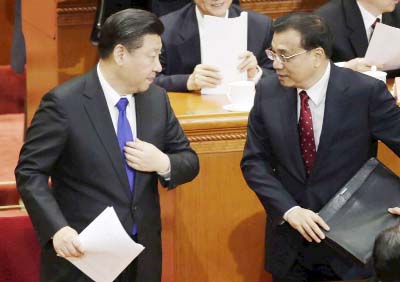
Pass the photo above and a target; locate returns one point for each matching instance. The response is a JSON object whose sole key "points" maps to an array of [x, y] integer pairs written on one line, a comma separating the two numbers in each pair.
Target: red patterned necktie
{"points": [[375, 22], [306, 133]]}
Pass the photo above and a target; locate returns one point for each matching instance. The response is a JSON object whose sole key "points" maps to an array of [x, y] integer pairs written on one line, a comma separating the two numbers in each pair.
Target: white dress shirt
{"points": [[317, 94], [200, 24], [368, 20], [112, 98]]}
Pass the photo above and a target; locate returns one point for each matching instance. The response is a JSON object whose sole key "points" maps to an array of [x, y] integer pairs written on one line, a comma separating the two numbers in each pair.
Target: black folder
{"points": [[358, 212]]}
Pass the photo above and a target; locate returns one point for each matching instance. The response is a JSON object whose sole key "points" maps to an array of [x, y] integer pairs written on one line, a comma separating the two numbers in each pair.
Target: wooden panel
{"points": [[6, 29], [57, 43], [276, 8]]}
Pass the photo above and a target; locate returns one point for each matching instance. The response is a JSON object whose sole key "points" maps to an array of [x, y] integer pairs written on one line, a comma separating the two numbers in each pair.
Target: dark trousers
{"points": [[312, 265]]}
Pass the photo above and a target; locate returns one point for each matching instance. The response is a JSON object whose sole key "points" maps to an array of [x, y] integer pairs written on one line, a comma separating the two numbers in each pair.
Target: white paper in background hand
{"points": [[225, 39], [384, 47], [108, 248]]}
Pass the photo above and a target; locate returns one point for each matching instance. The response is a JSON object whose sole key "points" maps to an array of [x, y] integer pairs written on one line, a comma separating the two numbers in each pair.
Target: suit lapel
{"points": [[335, 110], [290, 132], [143, 109], [96, 107], [189, 48], [355, 23]]}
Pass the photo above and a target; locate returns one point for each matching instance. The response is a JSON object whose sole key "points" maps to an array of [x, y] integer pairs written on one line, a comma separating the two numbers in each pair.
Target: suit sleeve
{"points": [[258, 166], [44, 144], [384, 117], [173, 82], [184, 161]]}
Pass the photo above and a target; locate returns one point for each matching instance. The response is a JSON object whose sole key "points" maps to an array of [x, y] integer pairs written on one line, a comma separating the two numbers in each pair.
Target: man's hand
{"points": [[395, 210], [248, 63], [203, 76], [359, 64], [66, 243], [144, 156], [308, 223]]}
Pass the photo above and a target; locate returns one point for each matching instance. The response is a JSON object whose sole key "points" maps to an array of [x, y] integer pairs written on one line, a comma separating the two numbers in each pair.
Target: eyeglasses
{"points": [[282, 59]]}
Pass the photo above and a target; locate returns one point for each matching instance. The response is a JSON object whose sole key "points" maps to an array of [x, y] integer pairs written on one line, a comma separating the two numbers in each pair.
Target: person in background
{"points": [[182, 69], [386, 256], [352, 22], [105, 138], [310, 130]]}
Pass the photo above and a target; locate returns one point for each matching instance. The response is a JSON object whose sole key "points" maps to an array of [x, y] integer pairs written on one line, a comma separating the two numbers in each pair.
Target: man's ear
{"points": [[319, 56], [119, 53]]}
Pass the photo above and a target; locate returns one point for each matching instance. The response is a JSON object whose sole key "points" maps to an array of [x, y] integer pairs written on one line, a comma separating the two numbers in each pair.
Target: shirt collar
{"points": [[111, 95], [200, 17], [368, 18], [317, 92]]}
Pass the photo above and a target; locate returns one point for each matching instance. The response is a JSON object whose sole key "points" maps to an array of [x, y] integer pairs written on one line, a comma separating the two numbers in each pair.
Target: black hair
{"points": [[127, 27], [386, 255], [313, 30]]}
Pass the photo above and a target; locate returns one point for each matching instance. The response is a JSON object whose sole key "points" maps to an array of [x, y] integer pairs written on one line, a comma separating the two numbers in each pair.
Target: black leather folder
{"points": [[358, 212]]}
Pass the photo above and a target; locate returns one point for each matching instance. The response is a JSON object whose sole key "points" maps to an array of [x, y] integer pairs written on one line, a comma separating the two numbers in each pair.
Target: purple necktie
{"points": [[306, 133], [124, 134]]}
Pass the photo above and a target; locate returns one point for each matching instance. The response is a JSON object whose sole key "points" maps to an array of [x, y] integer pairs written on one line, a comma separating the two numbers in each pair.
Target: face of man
{"points": [[380, 6], [140, 66], [216, 8], [301, 70]]}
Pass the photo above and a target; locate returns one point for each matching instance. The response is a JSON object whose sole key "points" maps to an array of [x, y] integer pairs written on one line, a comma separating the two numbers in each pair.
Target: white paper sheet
{"points": [[383, 49], [108, 248], [225, 39]]}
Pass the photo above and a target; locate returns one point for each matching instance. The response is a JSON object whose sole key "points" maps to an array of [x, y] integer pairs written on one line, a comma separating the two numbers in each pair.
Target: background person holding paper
{"points": [[352, 23], [180, 58], [310, 130], [79, 137]]}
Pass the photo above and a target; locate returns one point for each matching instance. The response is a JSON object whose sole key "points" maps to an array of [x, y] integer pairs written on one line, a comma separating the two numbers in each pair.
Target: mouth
{"points": [[217, 5]]}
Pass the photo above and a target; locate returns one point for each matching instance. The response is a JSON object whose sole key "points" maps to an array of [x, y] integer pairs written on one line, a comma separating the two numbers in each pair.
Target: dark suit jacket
{"points": [[181, 44], [345, 20], [72, 140], [357, 110]]}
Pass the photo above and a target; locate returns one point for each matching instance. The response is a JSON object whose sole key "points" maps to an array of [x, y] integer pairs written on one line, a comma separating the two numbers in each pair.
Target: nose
{"points": [[157, 66], [277, 64]]}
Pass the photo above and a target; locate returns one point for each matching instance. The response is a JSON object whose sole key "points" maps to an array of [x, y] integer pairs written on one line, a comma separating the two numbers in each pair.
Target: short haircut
{"points": [[386, 255], [313, 30], [127, 27]]}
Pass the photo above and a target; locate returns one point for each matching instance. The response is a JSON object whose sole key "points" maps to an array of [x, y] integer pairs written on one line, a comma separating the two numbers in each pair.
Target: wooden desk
{"points": [[213, 227]]}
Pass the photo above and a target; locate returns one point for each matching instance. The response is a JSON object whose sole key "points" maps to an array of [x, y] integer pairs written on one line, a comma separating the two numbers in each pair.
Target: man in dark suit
{"points": [[310, 130], [182, 69], [352, 24], [82, 137]]}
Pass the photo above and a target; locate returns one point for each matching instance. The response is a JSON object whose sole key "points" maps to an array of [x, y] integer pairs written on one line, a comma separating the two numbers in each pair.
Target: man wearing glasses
{"points": [[310, 130]]}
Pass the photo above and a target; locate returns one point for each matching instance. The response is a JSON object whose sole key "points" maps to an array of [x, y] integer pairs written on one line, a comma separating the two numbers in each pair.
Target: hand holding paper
{"points": [[108, 248]]}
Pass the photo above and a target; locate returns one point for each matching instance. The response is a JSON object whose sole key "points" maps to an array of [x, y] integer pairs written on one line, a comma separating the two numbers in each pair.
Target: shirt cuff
{"points": [[288, 211], [340, 64], [166, 174], [258, 75]]}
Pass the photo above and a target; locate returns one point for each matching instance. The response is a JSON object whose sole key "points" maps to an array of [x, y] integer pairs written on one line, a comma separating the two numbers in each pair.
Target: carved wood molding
{"points": [[276, 8], [218, 146], [75, 13], [218, 141]]}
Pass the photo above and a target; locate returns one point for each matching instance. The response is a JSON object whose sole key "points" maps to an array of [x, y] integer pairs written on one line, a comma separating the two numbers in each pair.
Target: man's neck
{"points": [[110, 74], [370, 8], [316, 77]]}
